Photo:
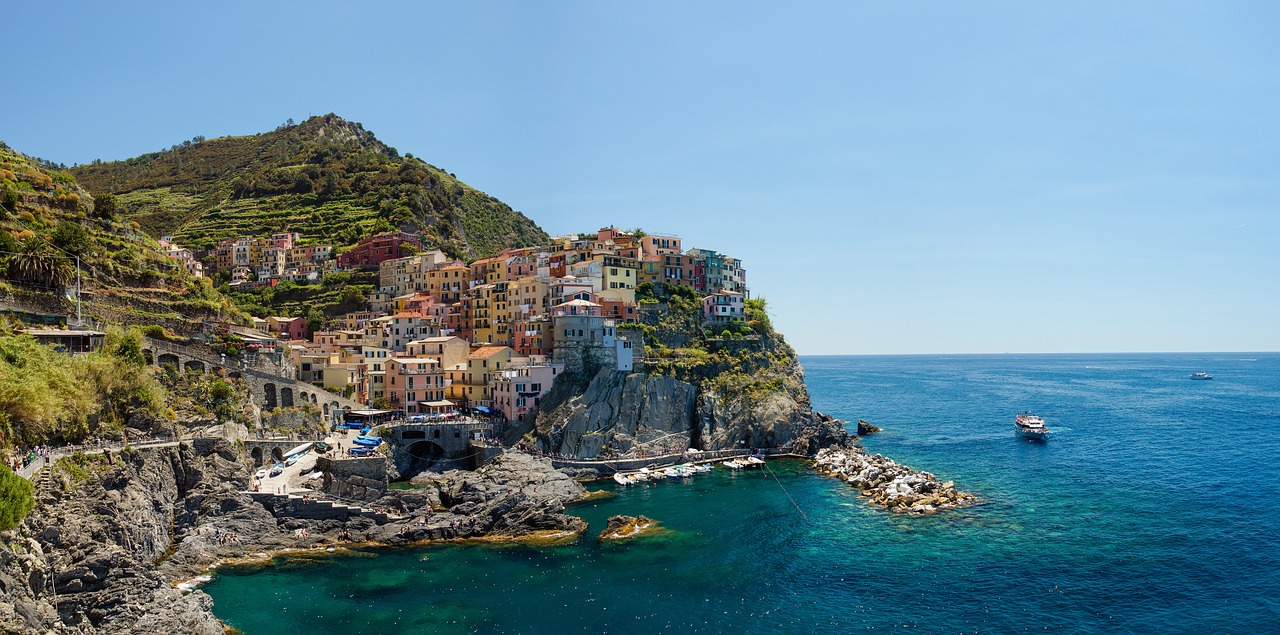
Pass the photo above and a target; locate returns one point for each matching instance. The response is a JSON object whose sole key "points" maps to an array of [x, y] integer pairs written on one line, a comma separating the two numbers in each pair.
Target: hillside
{"points": [[326, 178], [47, 219]]}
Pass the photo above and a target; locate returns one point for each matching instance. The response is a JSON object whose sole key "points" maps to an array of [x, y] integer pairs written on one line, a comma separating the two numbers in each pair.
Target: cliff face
{"points": [[735, 393], [109, 536], [98, 532]]}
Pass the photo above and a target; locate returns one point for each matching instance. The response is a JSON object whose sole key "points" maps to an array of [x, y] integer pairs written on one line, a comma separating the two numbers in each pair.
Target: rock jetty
{"points": [[889, 484]]}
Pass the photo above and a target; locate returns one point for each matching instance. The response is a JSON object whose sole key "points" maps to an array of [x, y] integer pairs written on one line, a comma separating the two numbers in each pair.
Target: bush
{"points": [[16, 498]]}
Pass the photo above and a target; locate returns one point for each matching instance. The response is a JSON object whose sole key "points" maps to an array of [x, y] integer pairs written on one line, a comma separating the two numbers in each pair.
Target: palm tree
{"points": [[37, 262]]}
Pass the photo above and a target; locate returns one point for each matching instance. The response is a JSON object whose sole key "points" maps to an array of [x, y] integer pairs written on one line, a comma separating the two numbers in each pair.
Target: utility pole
{"points": [[79, 321]]}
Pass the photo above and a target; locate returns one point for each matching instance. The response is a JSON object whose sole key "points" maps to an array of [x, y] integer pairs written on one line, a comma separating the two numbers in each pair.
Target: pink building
{"points": [[724, 306], [416, 385], [517, 391], [288, 328]]}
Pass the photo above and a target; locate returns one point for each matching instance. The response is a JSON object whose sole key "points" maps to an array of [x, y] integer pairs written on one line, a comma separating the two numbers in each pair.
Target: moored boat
{"points": [[733, 464], [621, 480], [1030, 426]]}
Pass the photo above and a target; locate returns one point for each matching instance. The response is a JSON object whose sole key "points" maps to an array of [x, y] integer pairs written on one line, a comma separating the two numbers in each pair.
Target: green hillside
{"points": [[326, 178], [47, 220]]}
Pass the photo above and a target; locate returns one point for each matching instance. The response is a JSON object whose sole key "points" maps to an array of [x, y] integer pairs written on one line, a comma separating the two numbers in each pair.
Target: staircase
{"points": [[317, 508]]}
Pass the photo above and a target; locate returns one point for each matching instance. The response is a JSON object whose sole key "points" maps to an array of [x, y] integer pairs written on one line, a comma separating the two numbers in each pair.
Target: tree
{"points": [[70, 236], [16, 499], [104, 206], [36, 262]]}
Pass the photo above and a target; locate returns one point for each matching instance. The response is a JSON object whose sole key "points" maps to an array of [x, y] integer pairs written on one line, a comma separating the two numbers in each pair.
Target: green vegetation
{"points": [[325, 178], [47, 396], [16, 498], [47, 221], [338, 293]]}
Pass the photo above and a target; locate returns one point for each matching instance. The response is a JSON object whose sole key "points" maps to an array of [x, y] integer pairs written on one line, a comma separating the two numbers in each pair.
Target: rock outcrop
{"points": [[106, 543], [624, 527], [889, 484]]}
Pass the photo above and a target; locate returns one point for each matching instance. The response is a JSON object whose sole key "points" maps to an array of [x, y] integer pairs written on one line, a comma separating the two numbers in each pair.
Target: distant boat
{"points": [[1030, 426], [1201, 376]]}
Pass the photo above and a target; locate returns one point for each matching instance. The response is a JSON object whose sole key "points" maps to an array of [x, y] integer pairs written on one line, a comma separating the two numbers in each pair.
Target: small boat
{"points": [[621, 480], [733, 464], [277, 469], [261, 474], [1201, 376], [1030, 426], [754, 461], [293, 458]]}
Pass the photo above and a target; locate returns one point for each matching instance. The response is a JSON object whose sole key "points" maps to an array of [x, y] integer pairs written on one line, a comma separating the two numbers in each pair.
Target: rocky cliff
{"points": [[711, 392], [111, 534]]}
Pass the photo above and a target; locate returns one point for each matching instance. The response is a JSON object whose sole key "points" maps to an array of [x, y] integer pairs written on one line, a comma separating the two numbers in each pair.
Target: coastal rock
{"points": [[865, 428], [624, 527], [888, 484]]}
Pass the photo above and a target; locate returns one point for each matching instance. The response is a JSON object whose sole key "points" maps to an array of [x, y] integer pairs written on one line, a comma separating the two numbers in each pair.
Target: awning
{"points": [[437, 404], [482, 409]]}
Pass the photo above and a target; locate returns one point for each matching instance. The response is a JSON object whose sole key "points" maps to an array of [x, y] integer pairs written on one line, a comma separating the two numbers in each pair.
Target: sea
{"points": [[1154, 508]]}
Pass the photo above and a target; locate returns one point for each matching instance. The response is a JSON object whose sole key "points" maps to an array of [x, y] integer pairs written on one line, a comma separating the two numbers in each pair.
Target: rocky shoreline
{"points": [[107, 547], [886, 483]]}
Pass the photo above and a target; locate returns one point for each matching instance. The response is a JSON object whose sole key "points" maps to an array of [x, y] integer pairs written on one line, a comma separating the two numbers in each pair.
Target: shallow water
{"points": [[1151, 509]]}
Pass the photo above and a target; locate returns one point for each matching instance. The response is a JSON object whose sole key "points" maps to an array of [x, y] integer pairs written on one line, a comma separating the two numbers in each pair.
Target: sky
{"points": [[898, 178]]}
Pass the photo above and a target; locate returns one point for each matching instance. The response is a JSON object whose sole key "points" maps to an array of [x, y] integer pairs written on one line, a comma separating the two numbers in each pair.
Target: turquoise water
{"points": [[1153, 509]]}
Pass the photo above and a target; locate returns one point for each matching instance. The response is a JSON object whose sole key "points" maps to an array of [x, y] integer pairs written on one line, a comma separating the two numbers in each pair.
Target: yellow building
{"points": [[483, 365], [619, 278]]}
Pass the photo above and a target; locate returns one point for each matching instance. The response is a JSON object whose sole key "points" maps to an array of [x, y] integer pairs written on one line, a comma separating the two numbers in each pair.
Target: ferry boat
{"points": [[1030, 426], [1201, 376]]}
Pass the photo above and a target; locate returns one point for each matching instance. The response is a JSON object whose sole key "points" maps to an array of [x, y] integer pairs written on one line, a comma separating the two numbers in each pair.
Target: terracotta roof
{"points": [[485, 352]]}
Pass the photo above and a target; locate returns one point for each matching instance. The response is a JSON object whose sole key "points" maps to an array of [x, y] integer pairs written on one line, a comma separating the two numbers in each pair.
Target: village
{"points": [[489, 337]]}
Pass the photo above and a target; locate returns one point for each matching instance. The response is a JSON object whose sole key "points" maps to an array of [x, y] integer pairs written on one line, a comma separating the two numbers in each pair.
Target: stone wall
{"points": [[358, 478]]}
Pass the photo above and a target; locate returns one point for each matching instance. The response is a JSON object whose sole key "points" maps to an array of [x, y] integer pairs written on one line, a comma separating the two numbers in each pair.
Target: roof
{"points": [[61, 332], [485, 352], [413, 360], [439, 338], [578, 302]]}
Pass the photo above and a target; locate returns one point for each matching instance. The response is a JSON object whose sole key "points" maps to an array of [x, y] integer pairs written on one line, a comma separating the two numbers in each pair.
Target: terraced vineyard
{"points": [[327, 179]]}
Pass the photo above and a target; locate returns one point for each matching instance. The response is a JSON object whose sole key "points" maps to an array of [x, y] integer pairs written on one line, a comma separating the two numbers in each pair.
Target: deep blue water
{"points": [[1152, 509]]}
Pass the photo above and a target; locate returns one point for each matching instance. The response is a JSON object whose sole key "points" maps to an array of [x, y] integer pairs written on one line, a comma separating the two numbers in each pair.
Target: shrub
{"points": [[16, 498]]}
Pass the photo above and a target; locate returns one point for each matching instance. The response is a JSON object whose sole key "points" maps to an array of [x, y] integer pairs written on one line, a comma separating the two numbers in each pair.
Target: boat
{"points": [[1030, 426], [293, 458], [754, 461], [277, 469], [621, 480], [733, 464], [1201, 376]]}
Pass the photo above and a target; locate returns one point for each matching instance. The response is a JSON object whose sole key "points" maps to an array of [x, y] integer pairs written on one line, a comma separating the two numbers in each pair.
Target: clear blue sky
{"points": [[923, 177]]}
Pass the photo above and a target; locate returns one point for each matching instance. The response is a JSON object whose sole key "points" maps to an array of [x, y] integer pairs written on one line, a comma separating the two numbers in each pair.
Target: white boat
{"points": [[754, 461], [261, 474], [733, 464], [621, 480], [1030, 426], [1201, 376]]}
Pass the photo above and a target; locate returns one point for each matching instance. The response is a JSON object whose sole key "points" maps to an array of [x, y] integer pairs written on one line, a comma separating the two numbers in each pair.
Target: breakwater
{"points": [[890, 484]]}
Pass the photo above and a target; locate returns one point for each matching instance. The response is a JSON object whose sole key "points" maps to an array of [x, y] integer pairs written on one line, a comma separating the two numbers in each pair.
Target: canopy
{"points": [[483, 409]]}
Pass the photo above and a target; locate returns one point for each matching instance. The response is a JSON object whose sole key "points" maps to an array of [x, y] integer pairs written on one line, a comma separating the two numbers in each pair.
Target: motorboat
{"points": [[1030, 426], [1201, 376], [277, 469], [621, 480], [754, 461], [733, 464], [261, 474]]}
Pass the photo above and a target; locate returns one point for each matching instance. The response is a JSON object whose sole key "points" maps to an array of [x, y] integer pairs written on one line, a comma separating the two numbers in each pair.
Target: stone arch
{"points": [[424, 454], [256, 453], [269, 396], [193, 366], [169, 359], [286, 397], [277, 454]]}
